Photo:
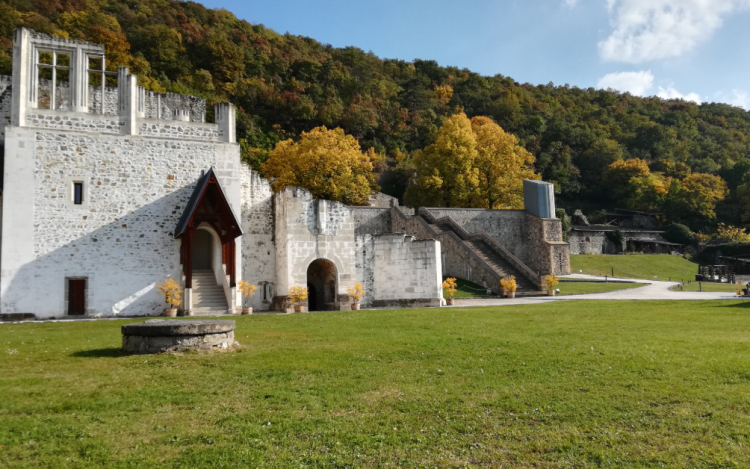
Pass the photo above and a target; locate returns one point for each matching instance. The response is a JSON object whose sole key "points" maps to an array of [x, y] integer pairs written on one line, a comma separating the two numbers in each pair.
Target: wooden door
{"points": [[76, 297]]}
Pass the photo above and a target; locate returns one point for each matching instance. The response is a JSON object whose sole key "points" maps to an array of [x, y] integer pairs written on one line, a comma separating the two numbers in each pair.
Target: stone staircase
{"points": [[487, 254], [208, 296], [502, 267]]}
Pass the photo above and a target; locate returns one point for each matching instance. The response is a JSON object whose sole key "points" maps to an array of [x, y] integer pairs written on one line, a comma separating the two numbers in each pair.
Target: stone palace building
{"points": [[109, 189]]}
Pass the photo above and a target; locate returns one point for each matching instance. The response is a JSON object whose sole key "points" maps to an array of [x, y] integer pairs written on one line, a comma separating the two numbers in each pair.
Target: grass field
{"points": [[467, 289], [664, 266], [567, 384], [574, 288], [707, 286]]}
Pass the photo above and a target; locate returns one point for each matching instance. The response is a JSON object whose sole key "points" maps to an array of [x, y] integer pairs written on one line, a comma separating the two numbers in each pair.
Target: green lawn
{"points": [[574, 288], [707, 286], [664, 266], [467, 289], [560, 385]]}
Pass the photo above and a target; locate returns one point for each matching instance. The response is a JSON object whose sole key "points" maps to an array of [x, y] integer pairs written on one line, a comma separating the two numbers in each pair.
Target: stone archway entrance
{"points": [[322, 284]]}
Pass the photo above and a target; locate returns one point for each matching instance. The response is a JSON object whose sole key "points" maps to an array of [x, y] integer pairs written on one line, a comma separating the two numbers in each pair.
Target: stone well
{"points": [[160, 335]]}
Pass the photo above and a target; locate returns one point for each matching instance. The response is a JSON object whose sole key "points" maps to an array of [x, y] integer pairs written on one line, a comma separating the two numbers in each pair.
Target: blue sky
{"points": [[694, 49]]}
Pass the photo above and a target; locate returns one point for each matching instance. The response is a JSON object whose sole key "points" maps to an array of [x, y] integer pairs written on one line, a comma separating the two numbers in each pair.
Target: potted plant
{"points": [[509, 286], [551, 280], [172, 292], [297, 294], [356, 295], [449, 290], [247, 290]]}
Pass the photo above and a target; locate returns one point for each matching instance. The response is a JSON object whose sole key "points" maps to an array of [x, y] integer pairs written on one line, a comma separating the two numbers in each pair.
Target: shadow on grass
{"points": [[100, 353], [739, 304]]}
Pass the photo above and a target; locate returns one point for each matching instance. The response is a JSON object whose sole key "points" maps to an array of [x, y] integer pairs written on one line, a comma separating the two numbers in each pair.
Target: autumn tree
{"points": [[445, 171], [697, 197], [328, 163], [502, 165], [618, 175]]}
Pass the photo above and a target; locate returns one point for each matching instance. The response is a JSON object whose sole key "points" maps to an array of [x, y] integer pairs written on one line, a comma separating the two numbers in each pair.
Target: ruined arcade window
{"points": [[78, 193], [99, 78], [53, 72]]}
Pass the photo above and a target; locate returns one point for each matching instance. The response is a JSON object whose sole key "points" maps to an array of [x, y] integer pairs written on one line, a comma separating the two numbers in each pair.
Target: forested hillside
{"points": [[284, 85]]}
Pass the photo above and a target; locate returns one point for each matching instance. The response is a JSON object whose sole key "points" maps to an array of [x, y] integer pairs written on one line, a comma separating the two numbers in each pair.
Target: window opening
{"points": [[78, 193], [99, 78], [53, 71]]}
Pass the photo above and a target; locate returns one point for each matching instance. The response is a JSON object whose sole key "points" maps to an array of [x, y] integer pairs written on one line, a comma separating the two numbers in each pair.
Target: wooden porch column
{"points": [[189, 259], [232, 261]]}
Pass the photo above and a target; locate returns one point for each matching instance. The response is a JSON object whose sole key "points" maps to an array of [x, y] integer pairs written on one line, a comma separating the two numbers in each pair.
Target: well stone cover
{"points": [[165, 335]]}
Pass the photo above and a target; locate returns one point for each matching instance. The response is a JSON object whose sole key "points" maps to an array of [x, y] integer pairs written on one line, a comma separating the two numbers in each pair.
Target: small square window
{"points": [[78, 193]]}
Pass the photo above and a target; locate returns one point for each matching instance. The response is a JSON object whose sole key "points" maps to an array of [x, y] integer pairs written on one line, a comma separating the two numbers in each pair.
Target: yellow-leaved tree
{"points": [[445, 172], [328, 163], [502, 165]]}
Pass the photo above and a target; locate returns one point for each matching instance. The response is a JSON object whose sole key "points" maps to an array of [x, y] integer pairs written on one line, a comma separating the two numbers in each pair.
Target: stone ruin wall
{"points": [[5, 104], [258, 246], [156, 105], [407, 271], [308, 229], [369, 222], [121, 237], [507, 227], [534, 241]]}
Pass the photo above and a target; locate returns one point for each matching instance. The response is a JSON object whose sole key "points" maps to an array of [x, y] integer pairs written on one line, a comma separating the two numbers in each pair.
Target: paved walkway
{"points": [[653, 290]]}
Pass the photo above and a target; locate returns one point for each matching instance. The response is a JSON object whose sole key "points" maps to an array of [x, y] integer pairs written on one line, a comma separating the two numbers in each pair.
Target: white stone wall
{"points": [[176, 129], [258, 247], [405, 269], [120, 238], [64, 120]]}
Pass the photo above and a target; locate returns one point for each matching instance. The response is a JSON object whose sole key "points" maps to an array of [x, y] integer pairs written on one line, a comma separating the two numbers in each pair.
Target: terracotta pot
{"points": [[300, 309], [247, 310], [171, 312], [449, 301], [550, 292], [510, 294], [355, 306]]}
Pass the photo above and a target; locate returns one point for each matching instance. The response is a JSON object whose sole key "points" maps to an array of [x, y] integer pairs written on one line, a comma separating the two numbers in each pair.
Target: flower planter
{"points": [[300, 309], [247, 310], [355, 306], [170, 312], [550, 292], [449, 301], [510, 294]]}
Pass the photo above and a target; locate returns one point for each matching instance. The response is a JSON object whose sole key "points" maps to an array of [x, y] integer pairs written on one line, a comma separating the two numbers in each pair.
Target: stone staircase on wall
{"points": [[489, 260], [208, 296]]}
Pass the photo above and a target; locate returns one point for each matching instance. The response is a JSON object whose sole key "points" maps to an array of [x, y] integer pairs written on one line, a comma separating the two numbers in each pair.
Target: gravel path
{"points": [[653, 290]]}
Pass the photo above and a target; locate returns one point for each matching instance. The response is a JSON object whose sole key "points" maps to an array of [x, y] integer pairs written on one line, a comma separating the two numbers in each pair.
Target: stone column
{"points": [[79, 81], [127, 85], [24, 73], [225, 117]]}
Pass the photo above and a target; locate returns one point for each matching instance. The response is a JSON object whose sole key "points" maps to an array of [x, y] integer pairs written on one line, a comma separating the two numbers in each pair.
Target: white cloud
{"points": [[670, 93], [646, 30], [636, 83], [641, 83], [570, 3], [739, 98]]}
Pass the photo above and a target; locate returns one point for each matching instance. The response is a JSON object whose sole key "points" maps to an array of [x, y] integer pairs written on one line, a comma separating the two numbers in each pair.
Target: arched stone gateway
{"points": [[322, 284]]}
